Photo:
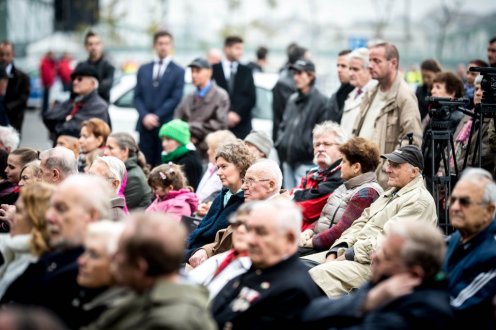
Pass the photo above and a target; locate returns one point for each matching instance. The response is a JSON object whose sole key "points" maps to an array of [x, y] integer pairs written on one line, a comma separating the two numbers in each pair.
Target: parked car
{"points": [[124, 115]]}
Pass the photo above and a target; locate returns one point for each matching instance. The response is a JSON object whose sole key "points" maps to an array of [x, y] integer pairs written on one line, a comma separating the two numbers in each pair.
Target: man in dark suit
{"points": [[96, 59], [237, 80], [277, 288], [17, 94], [159, 89]]}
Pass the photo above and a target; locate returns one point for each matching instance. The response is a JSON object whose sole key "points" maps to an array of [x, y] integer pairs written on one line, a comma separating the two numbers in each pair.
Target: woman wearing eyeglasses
{"points": [[346, 204], [233, 160]]}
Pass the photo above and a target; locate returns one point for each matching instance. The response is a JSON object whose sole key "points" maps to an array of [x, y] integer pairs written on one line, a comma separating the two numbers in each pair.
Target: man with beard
{"points": [[314, 189]]}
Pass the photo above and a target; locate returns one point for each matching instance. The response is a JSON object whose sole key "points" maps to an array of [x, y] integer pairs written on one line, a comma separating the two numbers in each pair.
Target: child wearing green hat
{"points": [[175, 136]]}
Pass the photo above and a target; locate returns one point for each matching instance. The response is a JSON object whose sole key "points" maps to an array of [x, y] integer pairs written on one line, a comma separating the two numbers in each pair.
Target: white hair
{"points": [[9, 137], [115, 168], [287, 215], [330, 128], [93, 191], [60, 158], [270, 169], [107, 230], [481, 176], [361, 54]]}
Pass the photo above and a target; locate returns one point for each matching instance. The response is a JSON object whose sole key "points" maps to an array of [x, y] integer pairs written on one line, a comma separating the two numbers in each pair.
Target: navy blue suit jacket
{"points": [[160, 100]]}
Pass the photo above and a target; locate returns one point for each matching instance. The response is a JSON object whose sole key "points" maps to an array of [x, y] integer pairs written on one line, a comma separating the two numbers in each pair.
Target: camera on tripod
{"points": [[442, 108], [488, 84]]}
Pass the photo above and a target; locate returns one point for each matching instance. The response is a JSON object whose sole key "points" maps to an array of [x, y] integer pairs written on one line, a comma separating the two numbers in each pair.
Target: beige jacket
{"points": [[399, 117], [412, 202]]}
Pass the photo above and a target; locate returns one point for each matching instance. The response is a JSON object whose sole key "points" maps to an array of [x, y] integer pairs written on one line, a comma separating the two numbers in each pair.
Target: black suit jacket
{"points": [[243, 97], [16, 97]]}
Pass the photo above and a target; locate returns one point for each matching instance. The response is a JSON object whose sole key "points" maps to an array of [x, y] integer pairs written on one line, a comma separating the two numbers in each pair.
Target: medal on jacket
{"points": [[245, 298]]}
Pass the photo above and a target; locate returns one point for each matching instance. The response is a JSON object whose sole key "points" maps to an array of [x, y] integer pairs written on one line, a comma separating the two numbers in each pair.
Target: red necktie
{"points": [[231, 256], [76, 108], [359, 91]]}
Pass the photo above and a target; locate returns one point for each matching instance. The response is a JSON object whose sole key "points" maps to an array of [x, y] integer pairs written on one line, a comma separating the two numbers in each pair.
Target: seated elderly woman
{"points": [[346, 204], [30, 173], [113, 170], [215, 272], [233, 160], [95, 276], [262, 181], [28, 237]]}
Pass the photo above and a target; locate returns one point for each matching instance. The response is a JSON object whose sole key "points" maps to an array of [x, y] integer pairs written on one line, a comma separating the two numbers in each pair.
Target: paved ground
{"points": [[34, 133]]}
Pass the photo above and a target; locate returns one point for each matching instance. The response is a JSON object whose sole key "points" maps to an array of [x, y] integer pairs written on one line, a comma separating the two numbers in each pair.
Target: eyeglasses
{"points": [[238, 224], [463, 201], [325, 144], [251, 182]]}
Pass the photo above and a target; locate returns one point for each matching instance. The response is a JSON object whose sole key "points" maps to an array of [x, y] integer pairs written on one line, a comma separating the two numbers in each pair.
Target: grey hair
{"points": [[94, 193], [478, 79], [328, 128], [62, 159], [115, 168], [9, 137], [479, 175], [107, 230], [270, 169], [361, 54], [287, 215], [423, 245]]}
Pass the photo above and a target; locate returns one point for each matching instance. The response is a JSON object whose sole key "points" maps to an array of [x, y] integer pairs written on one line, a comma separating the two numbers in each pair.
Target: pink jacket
{"points": [[177, 203]]}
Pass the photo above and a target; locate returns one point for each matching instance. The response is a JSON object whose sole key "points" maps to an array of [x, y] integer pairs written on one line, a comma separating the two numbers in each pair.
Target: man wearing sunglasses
{"points": [[471, 256], [67, 117]]}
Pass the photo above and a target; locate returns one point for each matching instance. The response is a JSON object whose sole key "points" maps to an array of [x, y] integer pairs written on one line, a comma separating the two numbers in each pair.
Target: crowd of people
{"points": [[195, 226]]}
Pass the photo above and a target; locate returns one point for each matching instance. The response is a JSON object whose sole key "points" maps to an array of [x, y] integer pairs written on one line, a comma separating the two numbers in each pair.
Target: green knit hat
{"points": [[177, 130]]}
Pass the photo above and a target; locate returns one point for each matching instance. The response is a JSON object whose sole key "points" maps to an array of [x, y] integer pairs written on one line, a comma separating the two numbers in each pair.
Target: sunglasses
{"points": [[463, 201]]}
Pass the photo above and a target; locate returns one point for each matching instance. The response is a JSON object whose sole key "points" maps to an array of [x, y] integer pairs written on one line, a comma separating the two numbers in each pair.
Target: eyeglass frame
{"points": [[250, 182]]}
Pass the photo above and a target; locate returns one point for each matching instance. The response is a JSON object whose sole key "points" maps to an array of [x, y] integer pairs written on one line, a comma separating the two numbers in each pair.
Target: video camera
{"points": [[488, 83], [441, 108]]}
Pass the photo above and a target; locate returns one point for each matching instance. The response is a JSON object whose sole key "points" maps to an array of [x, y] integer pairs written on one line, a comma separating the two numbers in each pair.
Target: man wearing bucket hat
{"points": [[175, 136], [205, 109], [66, 118], [259, 143], [347, 263]]}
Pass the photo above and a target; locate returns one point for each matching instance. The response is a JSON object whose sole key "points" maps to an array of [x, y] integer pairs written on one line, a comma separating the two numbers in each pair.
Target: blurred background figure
{"points": [[64, 70], [48, 74], [261, 61], [428, 69]]}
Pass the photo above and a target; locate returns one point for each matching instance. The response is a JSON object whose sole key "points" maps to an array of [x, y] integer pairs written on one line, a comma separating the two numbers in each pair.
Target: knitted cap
{"points": [[261, 141], [177, 130]]}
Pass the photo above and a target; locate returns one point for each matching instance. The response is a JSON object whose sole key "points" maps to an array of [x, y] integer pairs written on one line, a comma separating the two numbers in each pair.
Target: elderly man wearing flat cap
{"points": [[205, 109], [66, 118], [347, 263]]}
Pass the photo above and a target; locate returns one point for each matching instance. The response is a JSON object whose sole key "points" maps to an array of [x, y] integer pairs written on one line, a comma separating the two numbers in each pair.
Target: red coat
{"points": [[48, 71], [314, 190], [65, 71]]}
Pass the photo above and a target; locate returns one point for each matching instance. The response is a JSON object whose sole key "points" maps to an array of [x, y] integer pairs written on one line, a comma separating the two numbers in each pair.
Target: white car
{"points": [[124, 116]]}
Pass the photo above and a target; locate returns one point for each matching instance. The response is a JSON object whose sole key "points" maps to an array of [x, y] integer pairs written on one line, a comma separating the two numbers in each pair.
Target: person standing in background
{"points": [[48, 74]]}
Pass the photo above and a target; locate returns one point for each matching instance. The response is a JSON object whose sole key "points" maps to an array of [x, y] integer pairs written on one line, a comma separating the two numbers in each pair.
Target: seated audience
{"points": [[277, 287], [360, 158], [70, 142], [15, 162], [233, 160], [259, 143], [216, 271], [470, 262], [172, 196], [92, 139], [408, 199], [28, 236], [30, 173], [320, 182], [147, 261], [405, 290], [136, 190], [9, 138], [175, 136], [99, 290], [57, 164]]}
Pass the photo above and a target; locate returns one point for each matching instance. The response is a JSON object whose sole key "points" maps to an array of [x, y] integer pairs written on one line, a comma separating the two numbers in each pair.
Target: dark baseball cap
{"points": [[303, 65], [407, 154], [84, 70], [200, 63]]}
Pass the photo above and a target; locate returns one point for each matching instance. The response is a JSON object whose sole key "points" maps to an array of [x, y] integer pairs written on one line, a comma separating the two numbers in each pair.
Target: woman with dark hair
{"points": [[359, 190], [15, 162], [233, 160], [135, 187]]}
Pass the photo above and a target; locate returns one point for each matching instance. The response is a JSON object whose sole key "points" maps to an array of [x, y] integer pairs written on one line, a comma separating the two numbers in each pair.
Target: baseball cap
{"points": [[303, 65], [407, 154], [200, 63]]}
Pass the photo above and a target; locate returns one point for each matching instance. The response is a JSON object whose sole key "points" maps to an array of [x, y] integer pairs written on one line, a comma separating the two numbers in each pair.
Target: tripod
{"points": [[438, 147]]}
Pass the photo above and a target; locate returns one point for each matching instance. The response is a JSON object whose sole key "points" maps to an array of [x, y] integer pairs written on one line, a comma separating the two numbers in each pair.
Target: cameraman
{"points": [[445, 85]]}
